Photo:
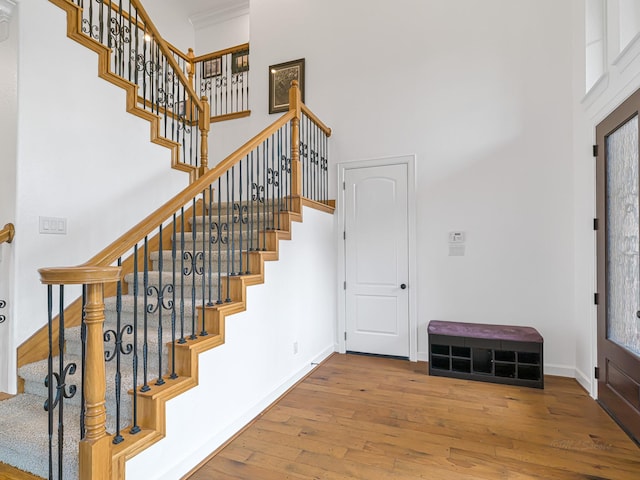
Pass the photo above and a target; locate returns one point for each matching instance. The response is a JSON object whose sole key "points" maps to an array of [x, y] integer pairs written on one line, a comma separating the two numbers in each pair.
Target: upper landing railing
{"points": [[179, 93], [222, 77]]}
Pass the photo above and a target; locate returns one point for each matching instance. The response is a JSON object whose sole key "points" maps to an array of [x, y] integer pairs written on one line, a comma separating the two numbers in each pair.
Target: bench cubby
{"points": [[489, 353]]}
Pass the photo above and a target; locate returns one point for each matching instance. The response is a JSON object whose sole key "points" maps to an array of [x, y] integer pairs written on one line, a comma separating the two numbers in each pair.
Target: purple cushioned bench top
{"points": [[480, 330]]}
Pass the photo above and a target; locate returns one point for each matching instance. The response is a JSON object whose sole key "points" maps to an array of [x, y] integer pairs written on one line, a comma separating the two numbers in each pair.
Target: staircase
{"points": [[158, 297]]}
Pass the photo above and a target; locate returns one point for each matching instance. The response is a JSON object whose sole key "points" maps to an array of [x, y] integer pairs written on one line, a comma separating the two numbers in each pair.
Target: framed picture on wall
{"points": [[280, 78], [212, 67], [240, 61]]}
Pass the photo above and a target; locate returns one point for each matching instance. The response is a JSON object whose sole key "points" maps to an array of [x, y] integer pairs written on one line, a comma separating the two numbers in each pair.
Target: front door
{"points": [[377, 260], [618, 265]]}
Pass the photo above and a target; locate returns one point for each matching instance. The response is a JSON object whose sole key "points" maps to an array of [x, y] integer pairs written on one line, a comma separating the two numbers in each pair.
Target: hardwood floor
{"points": [[358, 417], [10, 473]]}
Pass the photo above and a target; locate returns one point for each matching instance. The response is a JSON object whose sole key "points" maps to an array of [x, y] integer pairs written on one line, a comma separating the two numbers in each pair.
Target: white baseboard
{"points": [[559, 370], [197, 455], [585, 381]]}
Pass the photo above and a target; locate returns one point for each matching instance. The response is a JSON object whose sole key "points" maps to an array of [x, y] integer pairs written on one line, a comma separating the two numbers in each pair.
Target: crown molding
{"points": [[225, 12], [6, 12]]}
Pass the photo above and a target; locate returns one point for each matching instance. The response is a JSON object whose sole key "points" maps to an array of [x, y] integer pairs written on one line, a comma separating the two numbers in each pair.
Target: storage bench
{"points": [[489, 353]]}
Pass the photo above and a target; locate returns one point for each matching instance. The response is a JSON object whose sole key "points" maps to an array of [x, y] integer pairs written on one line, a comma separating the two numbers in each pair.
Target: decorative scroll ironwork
{"points": [[257, 192], [161, 296], [60, 385], [118, 343], [272, 177], [219, 232], [120, 35], [195, 265], [240, 214]]}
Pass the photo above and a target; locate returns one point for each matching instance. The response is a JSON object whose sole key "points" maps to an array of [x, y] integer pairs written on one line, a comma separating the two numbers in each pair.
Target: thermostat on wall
{"points": [[456, 237]]}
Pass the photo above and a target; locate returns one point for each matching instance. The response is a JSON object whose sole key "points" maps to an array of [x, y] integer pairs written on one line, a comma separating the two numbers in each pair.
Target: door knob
{"points": [[403, 286]]}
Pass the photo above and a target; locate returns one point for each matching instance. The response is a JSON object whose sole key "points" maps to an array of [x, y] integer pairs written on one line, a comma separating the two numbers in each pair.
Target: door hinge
{"points": [[596, 299], [595, 150], [345, 336], [596, 372], [344, 235], [344, 185], [345, 285], [596, 224]]}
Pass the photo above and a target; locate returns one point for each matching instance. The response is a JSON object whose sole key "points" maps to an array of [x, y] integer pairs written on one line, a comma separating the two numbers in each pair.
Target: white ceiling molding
{"points": [[225, 12], [6, 12]]}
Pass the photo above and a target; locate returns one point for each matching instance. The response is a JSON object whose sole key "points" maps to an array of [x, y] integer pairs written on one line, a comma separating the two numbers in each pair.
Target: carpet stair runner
{"points": [[24, 439]]}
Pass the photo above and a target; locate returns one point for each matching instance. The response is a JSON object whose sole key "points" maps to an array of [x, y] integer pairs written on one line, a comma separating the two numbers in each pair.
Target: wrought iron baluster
{"points": [[193, 270], [130, 50], [173, 374], [233, 222], [119, 349], [143, 67], [101, 25], [182, 275], [265, 156], [219, 241], [241, 216], [161, 291], [203, 331], [49, 383], [83, 362], [251, 194], [135, 428], [228, 298], [145, 343], [208, 236]]}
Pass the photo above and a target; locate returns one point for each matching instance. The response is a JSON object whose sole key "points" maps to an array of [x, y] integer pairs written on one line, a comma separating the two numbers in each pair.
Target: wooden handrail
{"points": [[316, 120], [178, 52], [220, 53], [120, 246], [7, 233], [164, 47]]}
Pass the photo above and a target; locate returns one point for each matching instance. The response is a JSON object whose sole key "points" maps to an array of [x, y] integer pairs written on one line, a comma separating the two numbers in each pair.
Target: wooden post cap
{"points": [[80, 275]]}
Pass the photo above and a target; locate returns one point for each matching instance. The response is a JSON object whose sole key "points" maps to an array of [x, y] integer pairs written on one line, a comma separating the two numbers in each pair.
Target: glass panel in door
{"points": [[623, 267]]}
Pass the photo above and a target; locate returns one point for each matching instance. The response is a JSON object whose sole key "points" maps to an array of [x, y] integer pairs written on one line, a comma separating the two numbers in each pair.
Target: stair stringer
{"points": [[152, 405], [74, 31]]}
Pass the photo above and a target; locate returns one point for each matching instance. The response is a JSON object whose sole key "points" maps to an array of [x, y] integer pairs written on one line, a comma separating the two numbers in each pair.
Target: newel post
{"points": [[191, 65], [95, 448], [295, 104], [204, 125]]}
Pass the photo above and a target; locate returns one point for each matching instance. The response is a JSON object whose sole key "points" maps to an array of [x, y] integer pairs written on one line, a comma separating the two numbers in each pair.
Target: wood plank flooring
{"points": [[358, 417]]}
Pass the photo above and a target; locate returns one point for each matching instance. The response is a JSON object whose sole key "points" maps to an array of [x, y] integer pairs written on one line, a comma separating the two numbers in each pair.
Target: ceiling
{"points": [[193, 7]]}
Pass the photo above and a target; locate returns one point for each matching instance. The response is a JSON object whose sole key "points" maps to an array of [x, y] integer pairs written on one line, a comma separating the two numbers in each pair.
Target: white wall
{"points": [[217, 33], [481, 92], [81, 156], [621, 78], [257, 362], [172, 22], [8, 125]]}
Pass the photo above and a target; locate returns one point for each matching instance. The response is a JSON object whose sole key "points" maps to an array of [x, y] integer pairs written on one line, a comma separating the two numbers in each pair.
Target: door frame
{"points": [[614, 120], [410, 162]]}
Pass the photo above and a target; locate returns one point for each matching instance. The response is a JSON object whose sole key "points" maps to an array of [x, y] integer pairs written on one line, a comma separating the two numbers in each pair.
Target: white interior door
{"points": [[377, 260]]}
